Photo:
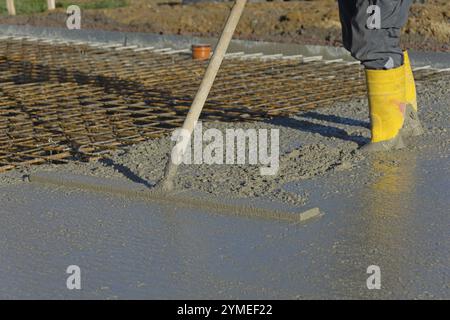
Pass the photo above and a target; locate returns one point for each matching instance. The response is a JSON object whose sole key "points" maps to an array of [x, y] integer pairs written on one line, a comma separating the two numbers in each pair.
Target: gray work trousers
{"points": [[371, 30]]}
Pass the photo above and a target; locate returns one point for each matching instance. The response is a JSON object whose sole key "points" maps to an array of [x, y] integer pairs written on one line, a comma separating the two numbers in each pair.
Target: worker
{"points": [[371, 32]]}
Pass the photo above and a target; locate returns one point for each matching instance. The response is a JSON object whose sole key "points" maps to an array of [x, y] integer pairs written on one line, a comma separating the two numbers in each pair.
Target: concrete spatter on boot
{"points": [[411, 128]]}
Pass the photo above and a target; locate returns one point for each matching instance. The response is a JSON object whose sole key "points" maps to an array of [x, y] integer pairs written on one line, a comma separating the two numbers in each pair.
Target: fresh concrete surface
{"points": [[135, 249], [390, 210]]}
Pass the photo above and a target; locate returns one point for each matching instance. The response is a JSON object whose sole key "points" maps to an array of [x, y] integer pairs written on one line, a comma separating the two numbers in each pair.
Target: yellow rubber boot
{"points": [[386, 93], [412, 126]]}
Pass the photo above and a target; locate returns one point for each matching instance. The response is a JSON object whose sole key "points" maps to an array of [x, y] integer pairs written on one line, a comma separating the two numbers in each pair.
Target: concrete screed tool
{"points": [[161, 191]]}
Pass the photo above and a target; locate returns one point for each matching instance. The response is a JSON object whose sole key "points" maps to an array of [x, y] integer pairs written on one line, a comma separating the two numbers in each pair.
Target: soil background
{"points": [[303, 22]]}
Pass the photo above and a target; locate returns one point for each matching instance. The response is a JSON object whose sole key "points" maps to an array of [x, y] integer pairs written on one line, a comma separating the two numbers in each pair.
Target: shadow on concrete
{"points": [[336, 119], [325, 131], [127, 172]]}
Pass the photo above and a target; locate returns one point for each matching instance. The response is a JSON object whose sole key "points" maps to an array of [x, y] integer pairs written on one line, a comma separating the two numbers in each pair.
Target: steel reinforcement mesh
{"points": [[62, 101]]}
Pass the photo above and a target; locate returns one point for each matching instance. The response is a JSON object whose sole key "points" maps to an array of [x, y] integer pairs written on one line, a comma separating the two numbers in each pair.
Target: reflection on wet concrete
{"points": [[390, 201], [397, 219]]}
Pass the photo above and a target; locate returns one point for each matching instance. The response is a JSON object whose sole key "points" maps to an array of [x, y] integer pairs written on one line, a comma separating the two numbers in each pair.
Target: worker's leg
{"points": [[371, 32]]}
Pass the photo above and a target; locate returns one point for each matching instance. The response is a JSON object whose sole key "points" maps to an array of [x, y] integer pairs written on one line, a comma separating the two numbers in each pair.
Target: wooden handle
{"points": [[214, 65], [11, 7], [51, 4], [204, 89]]}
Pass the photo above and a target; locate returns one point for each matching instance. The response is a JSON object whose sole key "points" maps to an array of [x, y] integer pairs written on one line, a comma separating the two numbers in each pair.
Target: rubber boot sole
{"points": [[392, 144]]}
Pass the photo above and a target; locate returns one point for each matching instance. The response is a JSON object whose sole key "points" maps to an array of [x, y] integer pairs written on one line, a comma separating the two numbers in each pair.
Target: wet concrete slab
{"points": [[398, 221], [128, 249], [389, 210], [135, 249]]}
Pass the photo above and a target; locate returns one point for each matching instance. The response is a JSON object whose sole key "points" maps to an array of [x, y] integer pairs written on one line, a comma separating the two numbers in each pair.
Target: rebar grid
{"points": [[66, 101]]}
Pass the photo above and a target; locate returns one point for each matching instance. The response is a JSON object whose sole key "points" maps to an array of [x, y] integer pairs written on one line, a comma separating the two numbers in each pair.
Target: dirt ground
{"points": [[305, 22]]}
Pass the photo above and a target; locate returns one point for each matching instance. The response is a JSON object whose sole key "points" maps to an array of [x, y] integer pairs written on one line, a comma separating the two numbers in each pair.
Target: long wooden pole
{"points": [[51, 4], [202, 93], [11, 7]]}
